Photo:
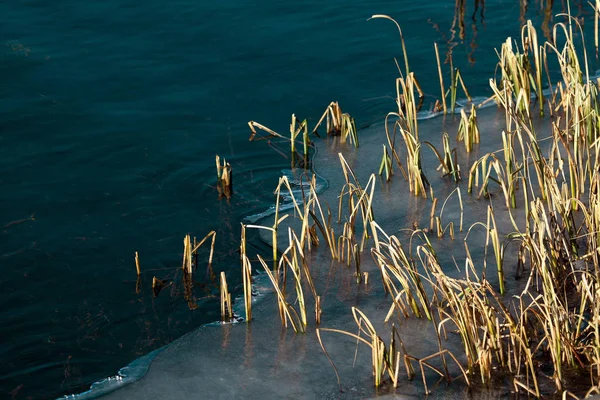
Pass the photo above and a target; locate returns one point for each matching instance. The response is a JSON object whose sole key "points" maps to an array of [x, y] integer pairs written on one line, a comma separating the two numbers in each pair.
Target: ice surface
{"points": [[126, 375]]}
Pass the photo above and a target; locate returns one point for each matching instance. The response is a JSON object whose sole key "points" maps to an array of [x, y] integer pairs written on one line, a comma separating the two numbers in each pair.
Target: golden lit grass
{"points": [[556, 315], [554, 318]]}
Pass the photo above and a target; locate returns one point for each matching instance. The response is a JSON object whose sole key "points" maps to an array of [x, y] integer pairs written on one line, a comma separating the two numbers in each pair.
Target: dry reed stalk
{"points": [[394, 263], [437, 57], [308, 234], [511, 166], [507, 181], [358, 200], [515, 76], [567, 57], [529, 41], [432, 213], [157, 286], [386, 360], [349, 131], [417, 180], [333, 117], [283, 183], [226, 305], [460, 203], [138, 282], [246, 275], [255, 125], [187, 268], [455, 79], [224, 178], [338, 124], [404, 52], [380, 355], [137, 264], [423, 362], [448, 164], [497, 246], [289, 314], [318, 310], [312, 208], [346, 243], [407, 104], [450, 159], [296, 128], [468, 131], [291, 256], [356, 257], [187, 255], [386, 165], [302, 267], [391, 139]]}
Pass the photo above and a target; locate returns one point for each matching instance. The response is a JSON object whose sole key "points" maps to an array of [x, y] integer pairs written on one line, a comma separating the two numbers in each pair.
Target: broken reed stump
{"points": [[138, 283], [338, 124], [224, 178], [318, 310], [187, 268], [187, 264], [226, 309], [137, 264], [157, 286]]}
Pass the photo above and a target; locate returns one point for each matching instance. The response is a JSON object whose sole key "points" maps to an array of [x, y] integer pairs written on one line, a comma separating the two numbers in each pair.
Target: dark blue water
{"points": [[111, 114]]}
